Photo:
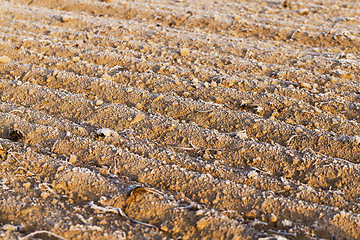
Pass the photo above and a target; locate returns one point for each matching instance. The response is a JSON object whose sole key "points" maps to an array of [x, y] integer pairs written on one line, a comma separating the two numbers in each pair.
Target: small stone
{"points": [[286, 223], [99, 103], [45, 195], [102, 200], [202, 223], [9, 227], [61, 168], [103, 222], [303, 11], [251, 215], [273, 218], [66, 18], [356, 140], [342, 74], [236, 18], [195, 81], [4, 59], [164, 228], [186, 94], [106, 77], [259, 109], [184, 52], [139, 106], [218, 100], [199, 212], [106, 132], [252, 174], [27, 185], [104, 171], [242, 135], [207, 156], [213, 84], [342, 214], [72, 159], [161, 96], [305, 85], [298, 130], [138, 118], [75, 59], [295, 161], [314, 91]]}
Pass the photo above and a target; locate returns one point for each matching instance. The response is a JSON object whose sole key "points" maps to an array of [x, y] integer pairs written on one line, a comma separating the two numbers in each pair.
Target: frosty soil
{"points": [[171, 119]]}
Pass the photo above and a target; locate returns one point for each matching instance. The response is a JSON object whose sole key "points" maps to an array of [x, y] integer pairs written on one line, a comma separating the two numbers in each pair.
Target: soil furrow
{"points": [[324, 102], [148, 44], [67, 183], [318, 171], [327, 83], [346, 69], [322, 123], [206, 114], [263, 104], [211, 24], [196, 186], [214, 167]]}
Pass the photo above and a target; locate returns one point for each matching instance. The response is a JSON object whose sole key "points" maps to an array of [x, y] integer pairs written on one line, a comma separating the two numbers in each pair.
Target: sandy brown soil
{"points": [[179, 119]]}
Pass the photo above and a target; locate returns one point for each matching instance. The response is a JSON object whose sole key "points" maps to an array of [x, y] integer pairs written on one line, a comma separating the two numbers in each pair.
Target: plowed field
{"points": [[179, 119]]}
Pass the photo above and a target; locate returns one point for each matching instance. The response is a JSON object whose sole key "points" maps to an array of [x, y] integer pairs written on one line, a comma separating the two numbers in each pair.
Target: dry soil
{"points": [[179, 119]]}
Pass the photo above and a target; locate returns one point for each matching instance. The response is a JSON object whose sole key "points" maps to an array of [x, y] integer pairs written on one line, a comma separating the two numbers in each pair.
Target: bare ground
{"points": [[179, 119]]}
